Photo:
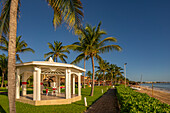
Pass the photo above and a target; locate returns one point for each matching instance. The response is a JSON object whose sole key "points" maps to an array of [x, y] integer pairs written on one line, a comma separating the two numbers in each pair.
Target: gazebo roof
{"points": [[50, 64]]}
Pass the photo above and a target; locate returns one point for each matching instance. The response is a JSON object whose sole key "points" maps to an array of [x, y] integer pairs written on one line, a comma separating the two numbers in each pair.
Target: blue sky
{"points": [[142, 28]]}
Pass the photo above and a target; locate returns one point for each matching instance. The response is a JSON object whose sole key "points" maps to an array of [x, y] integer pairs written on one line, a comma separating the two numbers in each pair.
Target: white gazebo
{"points": [[42, 68]]}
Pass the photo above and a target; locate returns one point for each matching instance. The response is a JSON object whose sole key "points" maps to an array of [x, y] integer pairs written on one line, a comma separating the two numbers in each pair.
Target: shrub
{"points": [[133, 102]]}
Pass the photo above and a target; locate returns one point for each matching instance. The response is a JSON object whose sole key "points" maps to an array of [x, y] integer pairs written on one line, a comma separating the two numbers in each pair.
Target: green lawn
{"points": [[76, 107]]}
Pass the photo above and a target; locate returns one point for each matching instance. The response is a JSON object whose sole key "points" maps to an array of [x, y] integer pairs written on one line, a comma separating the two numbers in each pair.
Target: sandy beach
{"points": [[163, 96]]}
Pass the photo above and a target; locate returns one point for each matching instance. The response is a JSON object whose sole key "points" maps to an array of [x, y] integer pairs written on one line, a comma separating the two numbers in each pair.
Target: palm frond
{"points": [[72, 47], [63, 55], [108, 39], [110, 48], [62, 59], [65, 50], [78, 58], [48, 58], [98, 58], [3, 62], [47, 54], [18, 58], [71, 11], [26, 50], [51, 46], [4, 18], [3, 48], [4, 41], [98, 27]]}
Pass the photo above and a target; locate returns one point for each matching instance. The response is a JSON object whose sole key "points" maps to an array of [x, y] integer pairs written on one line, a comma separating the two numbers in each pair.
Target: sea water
{"points": [[159, 86]]}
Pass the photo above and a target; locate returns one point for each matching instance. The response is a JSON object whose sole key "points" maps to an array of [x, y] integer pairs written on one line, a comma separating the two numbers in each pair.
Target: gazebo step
{"points": [[50, 102]]}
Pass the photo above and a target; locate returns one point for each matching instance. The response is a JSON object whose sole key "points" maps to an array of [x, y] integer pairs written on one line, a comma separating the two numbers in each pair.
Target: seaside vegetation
{"points": [[76, 107], [135, 102]]}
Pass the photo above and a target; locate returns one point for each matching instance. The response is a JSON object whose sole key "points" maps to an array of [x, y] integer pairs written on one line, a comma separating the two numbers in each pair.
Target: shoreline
{"points": [[162, 95], [154, 88]]}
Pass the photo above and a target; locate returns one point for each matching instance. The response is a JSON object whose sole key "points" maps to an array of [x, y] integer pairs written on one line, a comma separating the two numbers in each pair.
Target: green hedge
{"points": [[135, 102]]}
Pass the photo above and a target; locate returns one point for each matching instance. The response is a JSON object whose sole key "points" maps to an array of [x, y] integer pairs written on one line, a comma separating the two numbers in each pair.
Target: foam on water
{"points": [[159, 86]]}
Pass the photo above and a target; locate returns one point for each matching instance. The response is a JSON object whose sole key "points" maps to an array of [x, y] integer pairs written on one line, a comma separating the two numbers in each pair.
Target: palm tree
{"points": [[118, 71], [111, 71], [70, 11], [57, 51], [80, 47], [99, 77], [21, 47], [103, 66], [96, 46], [3, 66], [89, 75]]}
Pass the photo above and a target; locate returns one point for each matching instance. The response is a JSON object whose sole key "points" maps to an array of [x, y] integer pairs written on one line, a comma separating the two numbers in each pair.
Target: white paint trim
{"points": [[47, 63]]}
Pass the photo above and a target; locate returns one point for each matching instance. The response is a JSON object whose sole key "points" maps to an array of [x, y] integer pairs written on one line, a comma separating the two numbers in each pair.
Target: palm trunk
{"points": [[84, 68], [112, 80], [2, 83], [103, 79], [55, 59], [11, 55], [92, 89]]}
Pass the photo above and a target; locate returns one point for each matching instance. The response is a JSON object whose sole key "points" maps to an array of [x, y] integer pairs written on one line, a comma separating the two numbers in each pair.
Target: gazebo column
{"points": [[79, 84], [37, 85], [41, 84], [17, 83], [24, 84], [68, 84], [73, 84], [58, 84]]}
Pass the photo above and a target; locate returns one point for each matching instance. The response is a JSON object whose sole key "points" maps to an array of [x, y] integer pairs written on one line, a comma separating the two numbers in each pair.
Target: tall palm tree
{"points": [[3, 66], [96, 46], [89, 75], [21, 47], [80, 47], [103, 66], [99, 77], [111, 71], [118, 72], [69, 10], [57, 51]]}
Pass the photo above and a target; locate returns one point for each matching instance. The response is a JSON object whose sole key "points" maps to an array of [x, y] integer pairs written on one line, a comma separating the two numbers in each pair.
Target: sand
{"points": [[163, 96]]}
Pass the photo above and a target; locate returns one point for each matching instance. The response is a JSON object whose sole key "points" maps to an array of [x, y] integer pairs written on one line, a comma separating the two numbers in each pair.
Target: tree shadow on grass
{"points": [[4, 93], [2, 110]]}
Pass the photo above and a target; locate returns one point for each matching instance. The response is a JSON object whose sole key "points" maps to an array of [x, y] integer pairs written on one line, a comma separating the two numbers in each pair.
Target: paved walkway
{"points": [[108, 103]]}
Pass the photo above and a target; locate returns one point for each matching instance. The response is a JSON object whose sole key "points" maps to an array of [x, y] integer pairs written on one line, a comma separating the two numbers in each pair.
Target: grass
{"points": [[76, 107]]}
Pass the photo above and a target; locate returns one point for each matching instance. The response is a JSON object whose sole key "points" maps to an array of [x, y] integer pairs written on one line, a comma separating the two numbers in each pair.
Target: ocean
{"points": [[159, 86]]}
